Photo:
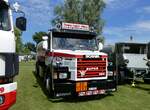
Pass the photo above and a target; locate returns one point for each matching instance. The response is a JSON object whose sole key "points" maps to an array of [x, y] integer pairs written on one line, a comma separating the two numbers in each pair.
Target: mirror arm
{"points": [[23, 13], [19, 11]]}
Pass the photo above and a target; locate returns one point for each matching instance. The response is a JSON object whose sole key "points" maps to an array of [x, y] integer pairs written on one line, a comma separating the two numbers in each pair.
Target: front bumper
{"points": [[8, 92], [93, 88]]}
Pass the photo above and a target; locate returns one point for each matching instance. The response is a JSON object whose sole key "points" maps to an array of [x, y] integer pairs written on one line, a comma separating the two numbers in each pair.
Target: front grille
{"points": [[91, 67]]}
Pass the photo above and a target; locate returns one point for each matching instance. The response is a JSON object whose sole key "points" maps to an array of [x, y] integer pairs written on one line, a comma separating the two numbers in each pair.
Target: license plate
{"points": [[92, 88], [94, 92]]}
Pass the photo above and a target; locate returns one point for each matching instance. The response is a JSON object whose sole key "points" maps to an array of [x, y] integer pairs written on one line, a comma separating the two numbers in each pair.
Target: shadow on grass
{"points": [[142, 86], [70, 99], [41, 84]]}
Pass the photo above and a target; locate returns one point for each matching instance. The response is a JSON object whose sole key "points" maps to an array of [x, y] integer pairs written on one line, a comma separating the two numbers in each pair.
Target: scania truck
{"points": [[8, 57], [70, 62]]}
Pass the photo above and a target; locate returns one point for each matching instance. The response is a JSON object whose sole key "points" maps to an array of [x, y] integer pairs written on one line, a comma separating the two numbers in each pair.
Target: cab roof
{"points": [[134, 43], [73, 33]]}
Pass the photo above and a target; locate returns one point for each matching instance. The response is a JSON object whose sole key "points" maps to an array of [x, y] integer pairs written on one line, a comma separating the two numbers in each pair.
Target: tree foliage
{"points": [[37, 37], [26, 51], [81, 11], [19, 44], [30, 46]]}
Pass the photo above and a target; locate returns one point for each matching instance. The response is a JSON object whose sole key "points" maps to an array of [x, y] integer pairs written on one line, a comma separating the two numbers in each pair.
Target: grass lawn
{"points": [[31, 96]]}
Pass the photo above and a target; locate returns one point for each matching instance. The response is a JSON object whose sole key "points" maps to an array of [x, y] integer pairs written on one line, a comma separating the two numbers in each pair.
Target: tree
{"points": [[26, 51], [92, 10], [19, 44], [81, 11], [37, 37], [30, 46]]}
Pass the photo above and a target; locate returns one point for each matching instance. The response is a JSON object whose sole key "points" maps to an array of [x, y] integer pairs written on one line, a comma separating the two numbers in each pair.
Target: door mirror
{"points": [[21, 23], [45, 42], [100, 46]]}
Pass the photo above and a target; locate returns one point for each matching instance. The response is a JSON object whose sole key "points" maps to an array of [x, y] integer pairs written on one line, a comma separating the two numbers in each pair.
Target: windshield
{"points": [[4, 18], [74, 43], [134, 48]]}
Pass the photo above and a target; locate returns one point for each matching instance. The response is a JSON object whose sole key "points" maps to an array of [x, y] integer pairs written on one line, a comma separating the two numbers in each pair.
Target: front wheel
{"points": [[147, 81], [147, 78], [121, 77], [37, 70], [48, 84]]}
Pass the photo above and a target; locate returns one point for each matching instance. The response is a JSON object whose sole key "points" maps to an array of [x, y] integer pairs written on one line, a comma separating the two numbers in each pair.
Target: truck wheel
{"points": [[146, 78], [147, 81], [37, 69], [122, 77], [48, 86]]}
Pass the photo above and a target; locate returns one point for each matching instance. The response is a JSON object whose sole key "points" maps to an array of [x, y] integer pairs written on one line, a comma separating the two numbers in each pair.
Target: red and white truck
{"points": [[8, 57], [71, 64]]}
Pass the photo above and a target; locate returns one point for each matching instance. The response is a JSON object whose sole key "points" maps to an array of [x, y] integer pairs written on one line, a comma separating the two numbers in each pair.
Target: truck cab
{"points": [[130, 63], [70, 62], [9, 66], [109, 49]]}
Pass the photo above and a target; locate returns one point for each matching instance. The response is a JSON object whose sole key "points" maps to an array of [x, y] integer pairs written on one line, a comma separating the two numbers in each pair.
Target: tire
{"points": [[147, 81], [147, 78], [48, 84], [122, 77], [37, 72]]}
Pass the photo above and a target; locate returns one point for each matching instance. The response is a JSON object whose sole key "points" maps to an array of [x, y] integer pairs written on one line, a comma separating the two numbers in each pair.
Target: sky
{"points": [[123, 18]]}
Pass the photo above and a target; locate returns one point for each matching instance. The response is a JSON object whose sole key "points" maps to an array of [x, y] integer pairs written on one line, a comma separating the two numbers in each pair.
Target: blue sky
{"points": [[123, 18]]}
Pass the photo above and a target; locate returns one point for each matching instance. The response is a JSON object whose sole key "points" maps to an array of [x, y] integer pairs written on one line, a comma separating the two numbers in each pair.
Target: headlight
{"points": [[62, 75], [1, 100]]}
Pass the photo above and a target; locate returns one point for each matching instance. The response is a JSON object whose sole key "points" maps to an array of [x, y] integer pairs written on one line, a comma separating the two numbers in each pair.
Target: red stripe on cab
{"points": [[57, 54]]}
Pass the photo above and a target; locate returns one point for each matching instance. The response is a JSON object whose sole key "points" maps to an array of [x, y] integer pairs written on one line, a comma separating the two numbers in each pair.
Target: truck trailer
{"points": [[70, 64], [148, 51], [130, 61], [147, 76], [8, 57]]}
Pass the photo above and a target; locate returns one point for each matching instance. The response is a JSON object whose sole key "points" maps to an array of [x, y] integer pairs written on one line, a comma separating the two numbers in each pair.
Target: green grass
{"points": [[31, 96]]}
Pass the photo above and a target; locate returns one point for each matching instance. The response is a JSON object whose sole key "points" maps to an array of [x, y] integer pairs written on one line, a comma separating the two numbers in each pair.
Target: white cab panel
{"points": [[7, 42], [2, 65]]}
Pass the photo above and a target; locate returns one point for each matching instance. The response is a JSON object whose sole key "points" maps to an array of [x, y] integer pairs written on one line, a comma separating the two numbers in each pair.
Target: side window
{"points": [[4, 18]]}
